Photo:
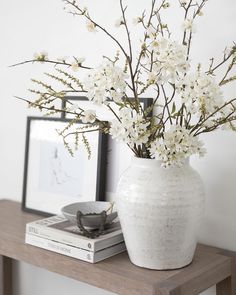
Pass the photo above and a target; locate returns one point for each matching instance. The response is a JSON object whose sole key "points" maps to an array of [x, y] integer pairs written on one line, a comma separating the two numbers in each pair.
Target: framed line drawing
{"points": [[52, 177], [119, 155]]}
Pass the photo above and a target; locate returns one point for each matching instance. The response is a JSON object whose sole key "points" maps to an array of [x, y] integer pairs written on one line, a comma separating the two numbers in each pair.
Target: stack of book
{"points": [[59, 235]]}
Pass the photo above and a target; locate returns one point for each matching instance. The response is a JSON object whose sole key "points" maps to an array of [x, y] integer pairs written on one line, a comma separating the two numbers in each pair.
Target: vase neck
{"points": [[153, 162], [145, 162]]}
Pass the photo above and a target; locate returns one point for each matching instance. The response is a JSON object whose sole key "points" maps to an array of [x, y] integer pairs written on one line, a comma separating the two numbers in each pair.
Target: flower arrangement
{"points": [[187, 102]]}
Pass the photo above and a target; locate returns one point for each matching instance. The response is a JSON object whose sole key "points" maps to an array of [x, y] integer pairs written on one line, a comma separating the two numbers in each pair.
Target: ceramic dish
{"points": [[89, 221]]}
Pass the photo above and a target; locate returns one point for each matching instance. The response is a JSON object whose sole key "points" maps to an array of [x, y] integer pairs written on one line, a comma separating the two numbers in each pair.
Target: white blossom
{"points": [[188, 25], [170, 60], [75, 66], [116, 96], [175, 146], [73, 107], [89, 116], [77, 63], [107, 81], [91, 26], [166, 5], [151, 32], [137, 20], [152, 78], [117, 131], [200, 93], [184, 2], [200, 13], [41, 56], [154, 45], [119, 22], [131, 128]]}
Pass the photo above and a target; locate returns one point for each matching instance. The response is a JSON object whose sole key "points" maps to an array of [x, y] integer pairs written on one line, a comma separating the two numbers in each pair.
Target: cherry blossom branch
{"points": [[84, 13], [81, 132], [225, 59], [143, 49], [56, 63], [199, 125], [185, 17], [127, 30], [39, 106], [218, 123], [195, 14], [166, 106]]}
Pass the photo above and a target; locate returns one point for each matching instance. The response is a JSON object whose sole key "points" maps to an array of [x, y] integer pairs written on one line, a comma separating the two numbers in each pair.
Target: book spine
{"points": [[59, 248], [59, 236], [91, 257], [112, 241], [73, 239]]}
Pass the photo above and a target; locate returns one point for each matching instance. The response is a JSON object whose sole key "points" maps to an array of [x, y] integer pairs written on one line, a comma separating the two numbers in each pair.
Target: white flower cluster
{"points": [[176, 145], [105, 82], [131, 128], [200, 93], [170, 60]]}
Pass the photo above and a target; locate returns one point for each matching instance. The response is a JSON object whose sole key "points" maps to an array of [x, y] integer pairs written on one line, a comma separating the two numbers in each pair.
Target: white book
{"points": [[59, 229], [74, 252]]}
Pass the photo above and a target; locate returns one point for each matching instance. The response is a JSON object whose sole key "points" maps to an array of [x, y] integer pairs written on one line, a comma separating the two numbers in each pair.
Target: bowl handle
{"points": [[91, 234]]}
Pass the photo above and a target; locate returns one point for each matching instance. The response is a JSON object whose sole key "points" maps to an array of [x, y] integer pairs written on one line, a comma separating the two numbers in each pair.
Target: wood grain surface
{"points": [[116, 274]]}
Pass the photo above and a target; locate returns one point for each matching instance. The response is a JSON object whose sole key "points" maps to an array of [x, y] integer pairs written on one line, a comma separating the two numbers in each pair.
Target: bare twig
{"points": [[56, 63]]}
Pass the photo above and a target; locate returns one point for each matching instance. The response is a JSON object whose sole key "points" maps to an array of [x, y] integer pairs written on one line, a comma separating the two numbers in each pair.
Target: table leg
{"points": [[228, 286], [5, 275], [224, 287]]}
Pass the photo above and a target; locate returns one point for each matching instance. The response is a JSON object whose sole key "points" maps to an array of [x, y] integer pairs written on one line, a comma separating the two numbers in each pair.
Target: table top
{"points": [[116, 274]]}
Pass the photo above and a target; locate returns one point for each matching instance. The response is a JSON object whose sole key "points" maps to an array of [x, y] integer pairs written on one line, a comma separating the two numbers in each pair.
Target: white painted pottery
{"points": [[160, 210], [91, 207]]}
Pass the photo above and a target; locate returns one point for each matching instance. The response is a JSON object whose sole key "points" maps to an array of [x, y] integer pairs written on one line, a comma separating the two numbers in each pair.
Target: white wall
{"points": [[28, 26]]}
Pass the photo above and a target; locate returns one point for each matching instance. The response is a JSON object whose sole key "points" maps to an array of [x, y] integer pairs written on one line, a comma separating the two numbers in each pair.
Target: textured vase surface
{"points": [[160, 210]]}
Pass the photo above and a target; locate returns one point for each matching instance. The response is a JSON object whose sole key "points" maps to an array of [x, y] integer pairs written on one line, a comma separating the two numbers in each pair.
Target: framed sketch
{"points": [[119, 155], [52, 177]]}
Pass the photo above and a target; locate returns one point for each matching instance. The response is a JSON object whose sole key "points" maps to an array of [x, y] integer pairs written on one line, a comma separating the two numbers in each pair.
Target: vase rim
{"points": [[147, 161], [152, 162]]}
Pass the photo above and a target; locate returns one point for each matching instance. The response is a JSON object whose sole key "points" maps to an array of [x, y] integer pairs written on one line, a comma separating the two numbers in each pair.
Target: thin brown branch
{"points": [[225, 59], [83, 14], [166, 104], [199, 125], [47, 61], [127, 30], [30, 103]]}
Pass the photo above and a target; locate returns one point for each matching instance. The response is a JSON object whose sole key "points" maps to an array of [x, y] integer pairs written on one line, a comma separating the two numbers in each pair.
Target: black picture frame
{"points": [[32, 182]]}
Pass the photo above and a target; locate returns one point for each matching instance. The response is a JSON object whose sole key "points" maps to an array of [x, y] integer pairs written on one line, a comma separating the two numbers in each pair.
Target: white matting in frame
{"points": [[53, 178]]}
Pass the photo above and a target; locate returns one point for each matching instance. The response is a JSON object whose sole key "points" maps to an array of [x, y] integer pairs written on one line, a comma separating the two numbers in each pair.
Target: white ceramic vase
{"points": [[160, 210]]}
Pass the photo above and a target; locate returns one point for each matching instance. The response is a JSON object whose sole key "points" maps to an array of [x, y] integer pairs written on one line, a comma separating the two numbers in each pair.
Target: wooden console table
{"points": [[210, 266]]}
